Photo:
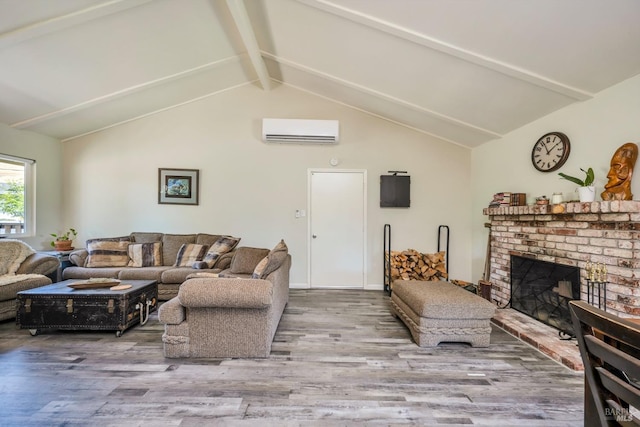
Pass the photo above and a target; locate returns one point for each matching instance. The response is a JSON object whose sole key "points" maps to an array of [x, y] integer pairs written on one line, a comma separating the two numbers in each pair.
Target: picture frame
{"points": [[178, 186]]}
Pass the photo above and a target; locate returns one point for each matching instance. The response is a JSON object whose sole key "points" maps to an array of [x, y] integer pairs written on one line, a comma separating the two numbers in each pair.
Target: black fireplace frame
{"points": [[537, 292]]}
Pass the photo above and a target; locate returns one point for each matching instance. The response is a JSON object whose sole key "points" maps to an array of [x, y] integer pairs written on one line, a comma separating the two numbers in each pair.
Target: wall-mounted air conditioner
{"points": [[299, 131]]}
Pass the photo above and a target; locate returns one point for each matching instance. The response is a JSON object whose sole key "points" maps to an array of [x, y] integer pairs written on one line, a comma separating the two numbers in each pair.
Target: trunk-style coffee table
{"points": [[59, 306]]}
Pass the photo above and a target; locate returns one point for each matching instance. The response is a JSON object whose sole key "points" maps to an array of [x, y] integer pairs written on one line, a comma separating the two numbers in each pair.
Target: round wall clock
{"points": [[550, 151]]}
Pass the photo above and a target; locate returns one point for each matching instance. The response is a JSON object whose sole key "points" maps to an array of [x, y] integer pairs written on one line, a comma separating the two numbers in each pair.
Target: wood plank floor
{"points": [[339, 358]]}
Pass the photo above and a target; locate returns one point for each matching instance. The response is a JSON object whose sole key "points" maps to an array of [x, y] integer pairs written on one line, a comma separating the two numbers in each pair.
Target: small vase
{"points": [[587, 194]]}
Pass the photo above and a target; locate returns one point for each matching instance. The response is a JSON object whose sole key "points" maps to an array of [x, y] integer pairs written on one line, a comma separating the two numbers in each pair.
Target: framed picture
{"points": [[178, 186]]}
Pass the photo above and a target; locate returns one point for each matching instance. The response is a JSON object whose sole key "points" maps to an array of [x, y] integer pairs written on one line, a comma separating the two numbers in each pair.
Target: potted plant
{"points": [[62, 242], [586, 190]]}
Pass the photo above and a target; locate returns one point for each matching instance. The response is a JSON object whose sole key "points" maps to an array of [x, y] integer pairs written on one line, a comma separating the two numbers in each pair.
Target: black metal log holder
{"points": [[441, 229], [387, 258]]}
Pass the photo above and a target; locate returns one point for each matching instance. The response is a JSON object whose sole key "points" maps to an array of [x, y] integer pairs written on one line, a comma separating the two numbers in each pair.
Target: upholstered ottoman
{"points": [[440, 311]]}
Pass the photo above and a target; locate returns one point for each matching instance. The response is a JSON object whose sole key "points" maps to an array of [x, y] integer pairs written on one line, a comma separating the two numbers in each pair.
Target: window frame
{"points": [[29, 194]]}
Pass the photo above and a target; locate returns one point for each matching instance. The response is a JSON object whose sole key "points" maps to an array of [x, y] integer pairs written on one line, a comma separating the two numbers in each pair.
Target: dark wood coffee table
{"points": [[59, 306]]}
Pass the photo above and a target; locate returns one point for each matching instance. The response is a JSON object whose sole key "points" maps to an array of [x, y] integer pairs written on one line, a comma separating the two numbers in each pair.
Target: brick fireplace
{"points": [[571, 234]]}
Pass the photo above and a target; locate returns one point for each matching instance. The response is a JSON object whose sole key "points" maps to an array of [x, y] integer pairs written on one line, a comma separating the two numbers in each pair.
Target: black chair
{"points": [[610, 349]]}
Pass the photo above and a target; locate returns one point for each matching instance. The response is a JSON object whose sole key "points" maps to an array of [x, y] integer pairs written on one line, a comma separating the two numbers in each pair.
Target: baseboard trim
{"points": [[367, 287]]}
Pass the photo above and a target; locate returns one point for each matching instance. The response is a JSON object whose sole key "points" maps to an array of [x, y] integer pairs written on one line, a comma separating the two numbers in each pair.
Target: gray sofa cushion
{"points": [[146, 273], [145, 237], [442, 300], [88, 273], [171, 244], [179, 274], [245, 259], [207, 239]]}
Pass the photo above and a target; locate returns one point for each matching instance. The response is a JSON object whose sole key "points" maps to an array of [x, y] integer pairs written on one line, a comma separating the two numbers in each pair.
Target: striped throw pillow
{"points": [[189, 253], [145, 254], [107, 253], [220, 247]]}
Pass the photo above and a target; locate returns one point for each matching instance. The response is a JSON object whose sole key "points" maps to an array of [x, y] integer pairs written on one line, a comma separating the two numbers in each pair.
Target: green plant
{"points": [[67, 235], [12, 200], [587, 182]]}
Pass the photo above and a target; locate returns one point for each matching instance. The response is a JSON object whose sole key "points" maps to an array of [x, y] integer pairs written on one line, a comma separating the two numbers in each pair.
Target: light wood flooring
{"points": [[339, 359]]}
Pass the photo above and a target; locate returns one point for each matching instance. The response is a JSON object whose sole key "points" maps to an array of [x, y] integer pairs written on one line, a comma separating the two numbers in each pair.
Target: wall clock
{"points": [[550, 151]]}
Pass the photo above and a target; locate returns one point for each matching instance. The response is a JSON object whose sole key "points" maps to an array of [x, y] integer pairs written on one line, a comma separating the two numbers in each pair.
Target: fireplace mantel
{"points": [[605, 232], [623, 206]]}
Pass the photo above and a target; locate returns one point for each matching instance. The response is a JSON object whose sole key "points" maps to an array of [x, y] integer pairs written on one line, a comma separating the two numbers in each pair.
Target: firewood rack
{"points": [[443, 233], [444, 229], [386, 252]]}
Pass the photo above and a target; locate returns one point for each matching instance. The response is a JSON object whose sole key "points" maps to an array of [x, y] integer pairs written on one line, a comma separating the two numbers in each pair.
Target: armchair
{"points": [[21, 268]]}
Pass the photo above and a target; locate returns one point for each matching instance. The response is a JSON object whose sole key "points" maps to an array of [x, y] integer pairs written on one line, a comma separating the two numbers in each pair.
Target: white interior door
{"points": [[337, 229]]}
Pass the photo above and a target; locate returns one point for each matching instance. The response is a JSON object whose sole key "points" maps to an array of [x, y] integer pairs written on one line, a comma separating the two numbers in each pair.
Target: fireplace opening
{"points": [[543, 290]]}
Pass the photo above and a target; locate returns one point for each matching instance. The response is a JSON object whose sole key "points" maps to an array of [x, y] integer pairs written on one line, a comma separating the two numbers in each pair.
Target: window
{"points": [[17, 201]]}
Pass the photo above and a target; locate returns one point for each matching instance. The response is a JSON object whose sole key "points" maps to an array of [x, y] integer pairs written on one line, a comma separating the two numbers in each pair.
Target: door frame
{"points": [[363, 172]]}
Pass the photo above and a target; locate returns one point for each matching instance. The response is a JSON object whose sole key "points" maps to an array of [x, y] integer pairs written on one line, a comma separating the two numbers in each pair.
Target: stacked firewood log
{"points": [[413, 265]]}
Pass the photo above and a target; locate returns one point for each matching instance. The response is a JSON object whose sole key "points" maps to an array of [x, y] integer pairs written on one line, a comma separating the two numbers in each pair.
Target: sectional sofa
{"points": [[166, 258], [231, 314]]}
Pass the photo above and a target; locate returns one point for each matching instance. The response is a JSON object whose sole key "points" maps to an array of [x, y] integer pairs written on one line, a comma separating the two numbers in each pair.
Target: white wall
{"points": [[596, 129], [47, 152], [251, 189]]}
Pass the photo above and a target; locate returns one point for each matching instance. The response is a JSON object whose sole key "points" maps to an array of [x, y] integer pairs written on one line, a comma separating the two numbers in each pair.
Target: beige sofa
{"points": [[114, 258], [21, 268], [234, 315]]}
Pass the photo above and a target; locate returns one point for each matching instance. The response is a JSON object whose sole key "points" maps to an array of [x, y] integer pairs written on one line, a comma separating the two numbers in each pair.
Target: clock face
{"points": [[550, 151]]}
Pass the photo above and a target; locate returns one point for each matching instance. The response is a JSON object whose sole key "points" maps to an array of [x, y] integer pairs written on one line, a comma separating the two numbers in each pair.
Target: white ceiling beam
{"points": [[25, 124], [468, 126], [61, 22], [241, 18], [449, 49]]}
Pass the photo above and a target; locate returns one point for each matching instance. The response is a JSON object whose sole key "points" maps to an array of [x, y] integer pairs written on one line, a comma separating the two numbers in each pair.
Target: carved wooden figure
{"points": [[620, 173]]}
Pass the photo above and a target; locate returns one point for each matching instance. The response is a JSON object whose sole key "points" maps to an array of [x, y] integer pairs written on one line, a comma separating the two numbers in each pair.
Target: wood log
{"points": [[413, 265]]}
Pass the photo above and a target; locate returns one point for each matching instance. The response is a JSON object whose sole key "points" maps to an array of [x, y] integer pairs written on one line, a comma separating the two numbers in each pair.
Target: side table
{"points": [[63, 256]]}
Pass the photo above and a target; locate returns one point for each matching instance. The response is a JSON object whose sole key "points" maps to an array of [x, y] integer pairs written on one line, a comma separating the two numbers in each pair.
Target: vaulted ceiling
{"points": [[466, 71]]}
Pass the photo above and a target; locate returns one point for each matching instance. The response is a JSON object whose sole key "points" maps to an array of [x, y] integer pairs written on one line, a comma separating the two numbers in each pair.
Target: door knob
{"points": [[314, 236]]}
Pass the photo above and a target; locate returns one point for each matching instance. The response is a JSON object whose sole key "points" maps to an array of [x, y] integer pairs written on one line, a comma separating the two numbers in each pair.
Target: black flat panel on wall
{"points": [[395, 191]]}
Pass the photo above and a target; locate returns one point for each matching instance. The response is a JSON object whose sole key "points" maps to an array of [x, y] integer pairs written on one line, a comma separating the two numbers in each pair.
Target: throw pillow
{"points": [[145, 254], [245, 259], [220, 247], [271, 262], [189, 253], [107, 253]]}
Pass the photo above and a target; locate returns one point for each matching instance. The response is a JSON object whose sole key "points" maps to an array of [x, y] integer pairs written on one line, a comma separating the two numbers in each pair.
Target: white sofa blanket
{"points": [[12, 254]]}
